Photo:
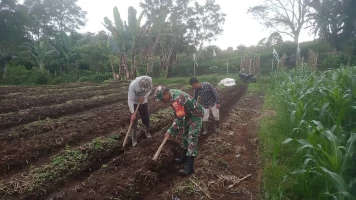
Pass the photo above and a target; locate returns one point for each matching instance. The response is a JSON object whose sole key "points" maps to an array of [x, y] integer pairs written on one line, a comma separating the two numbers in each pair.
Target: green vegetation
{"points": [[308, 148], [213, 79], [184, 188], [19, 75], [38, 37], [38, 46], [166, 113], [70, 162]]}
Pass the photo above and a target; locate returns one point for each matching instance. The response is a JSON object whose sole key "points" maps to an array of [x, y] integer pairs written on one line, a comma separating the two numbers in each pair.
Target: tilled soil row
{"points": [[44, 126], [130, 175], [33, 91], [14, 88], [227, 166], [40, 113], [26, 102], [18, 154], [91, 157]]}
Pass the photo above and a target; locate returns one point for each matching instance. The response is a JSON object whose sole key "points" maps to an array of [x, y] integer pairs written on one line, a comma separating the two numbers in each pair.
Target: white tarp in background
{"points": [[227, 82]]}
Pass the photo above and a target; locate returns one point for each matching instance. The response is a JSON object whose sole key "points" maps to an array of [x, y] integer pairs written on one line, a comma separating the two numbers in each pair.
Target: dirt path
{"points": [[228, 157]]}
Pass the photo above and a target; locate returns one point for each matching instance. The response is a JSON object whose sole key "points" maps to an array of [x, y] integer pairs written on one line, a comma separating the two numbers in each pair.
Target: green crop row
{"points": [[322, 109]]}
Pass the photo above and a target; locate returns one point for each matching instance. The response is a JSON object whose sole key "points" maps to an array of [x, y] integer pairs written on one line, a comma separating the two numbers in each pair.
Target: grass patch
{"points": [[263, 84], [184, 188], [279, 160], [213, 79]]}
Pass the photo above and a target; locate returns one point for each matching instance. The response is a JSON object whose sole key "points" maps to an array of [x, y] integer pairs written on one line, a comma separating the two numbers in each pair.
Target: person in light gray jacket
{"points": [[139, 90]]}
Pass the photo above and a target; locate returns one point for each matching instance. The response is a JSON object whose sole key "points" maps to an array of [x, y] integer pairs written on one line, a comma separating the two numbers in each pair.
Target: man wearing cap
{"points": [[139, 90], [188, 117]]}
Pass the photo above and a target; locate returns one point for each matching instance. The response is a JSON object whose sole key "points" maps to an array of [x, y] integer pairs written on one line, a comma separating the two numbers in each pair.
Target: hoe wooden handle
{"points": [[159, 149], [128, 131]]}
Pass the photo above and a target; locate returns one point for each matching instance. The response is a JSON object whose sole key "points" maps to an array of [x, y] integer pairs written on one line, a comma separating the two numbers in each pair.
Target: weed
{"points": [[166, 113], [184, 188]]}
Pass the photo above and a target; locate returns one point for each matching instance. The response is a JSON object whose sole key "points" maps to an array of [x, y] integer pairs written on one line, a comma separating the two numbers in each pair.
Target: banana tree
{"points": [[126, 37], [135, 31], [151, 40], [97, 52], [40, 52], [65, 49], [111, 48], [120, 37]]}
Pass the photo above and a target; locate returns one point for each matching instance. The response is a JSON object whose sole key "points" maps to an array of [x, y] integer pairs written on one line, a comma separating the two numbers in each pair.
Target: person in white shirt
{"points": [[139, 90]]}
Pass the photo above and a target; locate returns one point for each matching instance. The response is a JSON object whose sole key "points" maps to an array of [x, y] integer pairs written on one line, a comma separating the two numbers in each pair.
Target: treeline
{"points": [[40, 42]]}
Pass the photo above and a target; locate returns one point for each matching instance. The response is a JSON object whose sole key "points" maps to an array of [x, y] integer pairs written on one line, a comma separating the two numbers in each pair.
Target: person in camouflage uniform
{"points": [[188, 117]]}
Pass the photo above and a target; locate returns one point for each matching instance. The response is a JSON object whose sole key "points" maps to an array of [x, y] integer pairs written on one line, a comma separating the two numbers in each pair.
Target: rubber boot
{"points": [[188, 168], [205, 127], [134, 134], [183, 158], [217, 126], [148, 135]]}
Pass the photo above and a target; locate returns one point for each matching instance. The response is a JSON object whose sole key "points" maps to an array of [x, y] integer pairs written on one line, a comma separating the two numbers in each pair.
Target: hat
{"points": [[145, 83], [159, 92]]}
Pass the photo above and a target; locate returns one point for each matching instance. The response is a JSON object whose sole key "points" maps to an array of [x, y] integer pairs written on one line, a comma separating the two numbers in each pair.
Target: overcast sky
{"points": [[239, 26]]}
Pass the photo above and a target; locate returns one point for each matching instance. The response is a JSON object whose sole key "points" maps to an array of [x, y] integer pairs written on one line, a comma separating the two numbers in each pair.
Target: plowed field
{"points": [[65, 142]]}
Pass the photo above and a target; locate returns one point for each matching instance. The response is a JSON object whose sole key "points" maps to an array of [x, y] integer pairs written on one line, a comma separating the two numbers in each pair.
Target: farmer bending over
{"points": [[188, 117], [210, 101], [139, 90]]}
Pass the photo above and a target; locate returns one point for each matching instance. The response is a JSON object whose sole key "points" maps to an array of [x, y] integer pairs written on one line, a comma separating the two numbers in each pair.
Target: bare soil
{"points": [[55, 111], [26, 102], [117, 173], [6, 92], [131, 175]]}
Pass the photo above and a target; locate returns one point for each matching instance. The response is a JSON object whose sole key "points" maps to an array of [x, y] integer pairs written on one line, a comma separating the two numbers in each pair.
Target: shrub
{"points": [[96, 78]]}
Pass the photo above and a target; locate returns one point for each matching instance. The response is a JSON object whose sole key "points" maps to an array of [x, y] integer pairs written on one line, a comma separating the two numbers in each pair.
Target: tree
{"points": [[67, 56], [208, 52], [13, 22], [273, 39], [287, 17], [134, 31], [40, 52], [98, 53], [185, 25], [52, 16], [241, 49], [67, 15], [40, 19], [206, 23], [334, 21], [118, 33], [126, 37]]}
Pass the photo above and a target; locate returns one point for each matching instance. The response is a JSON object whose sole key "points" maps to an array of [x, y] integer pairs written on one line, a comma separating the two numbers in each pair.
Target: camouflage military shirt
{"points": [[186, 109]]}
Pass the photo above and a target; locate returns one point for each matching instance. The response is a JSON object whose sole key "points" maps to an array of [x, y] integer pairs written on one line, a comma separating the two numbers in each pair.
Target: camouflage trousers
{"points": [[190, 136]]}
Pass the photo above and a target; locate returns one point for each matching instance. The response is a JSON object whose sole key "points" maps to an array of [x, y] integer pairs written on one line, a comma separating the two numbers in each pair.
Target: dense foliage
{"points": [[38, 36], [322, 109]]}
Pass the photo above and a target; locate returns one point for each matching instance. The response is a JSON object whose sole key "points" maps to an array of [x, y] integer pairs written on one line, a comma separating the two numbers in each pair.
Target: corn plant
{"points": [[322, 107]]}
